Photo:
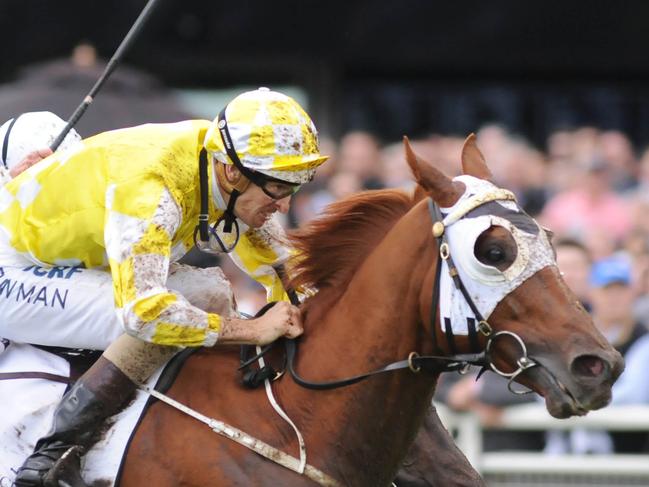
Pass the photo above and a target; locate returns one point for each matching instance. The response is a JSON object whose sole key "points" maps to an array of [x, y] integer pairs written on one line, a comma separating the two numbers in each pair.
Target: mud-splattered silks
{"points": [[125, 201]]}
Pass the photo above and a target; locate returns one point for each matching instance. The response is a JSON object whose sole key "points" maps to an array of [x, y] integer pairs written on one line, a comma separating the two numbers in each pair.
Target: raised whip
{"points": [[110, 67]]}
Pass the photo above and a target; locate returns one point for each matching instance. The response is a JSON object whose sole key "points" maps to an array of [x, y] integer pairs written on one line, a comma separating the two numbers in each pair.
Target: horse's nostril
{"points": [[589, 366]]}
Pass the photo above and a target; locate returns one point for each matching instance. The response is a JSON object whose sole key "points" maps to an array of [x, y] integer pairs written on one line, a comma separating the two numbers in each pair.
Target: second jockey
{"points": [[25, 140]]}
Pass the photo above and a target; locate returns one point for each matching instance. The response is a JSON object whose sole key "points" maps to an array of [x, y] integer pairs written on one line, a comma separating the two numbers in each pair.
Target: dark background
{"points": [[391, 67]]}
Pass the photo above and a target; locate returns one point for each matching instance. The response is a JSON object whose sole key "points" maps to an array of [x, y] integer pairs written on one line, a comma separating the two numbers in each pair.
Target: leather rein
{"points": [[415, 362]]}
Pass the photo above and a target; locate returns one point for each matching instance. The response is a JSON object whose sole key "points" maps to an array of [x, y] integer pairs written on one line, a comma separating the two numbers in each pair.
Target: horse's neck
{"points": [[376, 321]]}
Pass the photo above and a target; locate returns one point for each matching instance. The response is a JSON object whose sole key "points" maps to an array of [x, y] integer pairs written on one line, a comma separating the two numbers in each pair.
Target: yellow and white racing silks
{"points": [[129, 200]]}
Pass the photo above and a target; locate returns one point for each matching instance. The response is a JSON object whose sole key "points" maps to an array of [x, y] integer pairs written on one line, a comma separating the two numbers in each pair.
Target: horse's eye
{"points": [[495, 255], [496, 247]]}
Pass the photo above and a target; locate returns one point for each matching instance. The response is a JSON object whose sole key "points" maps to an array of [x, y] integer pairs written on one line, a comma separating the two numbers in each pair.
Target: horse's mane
{"points": [[331, 247]]}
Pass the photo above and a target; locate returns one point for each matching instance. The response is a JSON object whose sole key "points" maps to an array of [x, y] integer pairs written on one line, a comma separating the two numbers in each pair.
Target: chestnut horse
{"points": [[373, 259]]}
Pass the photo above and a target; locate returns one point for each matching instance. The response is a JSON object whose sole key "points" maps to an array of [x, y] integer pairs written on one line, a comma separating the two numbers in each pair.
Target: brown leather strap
{"points": [[34, 375]]}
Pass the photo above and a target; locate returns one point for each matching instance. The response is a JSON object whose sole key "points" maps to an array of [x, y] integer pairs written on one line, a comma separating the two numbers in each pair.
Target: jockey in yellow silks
{"points": [[115, 214]]}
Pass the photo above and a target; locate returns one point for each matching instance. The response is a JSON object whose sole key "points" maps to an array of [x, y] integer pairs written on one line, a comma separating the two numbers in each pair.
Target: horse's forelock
{"points": [[331, 247]]}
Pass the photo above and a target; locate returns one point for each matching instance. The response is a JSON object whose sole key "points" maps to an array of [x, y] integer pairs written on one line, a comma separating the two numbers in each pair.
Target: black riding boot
{"points": [[98, 394]]}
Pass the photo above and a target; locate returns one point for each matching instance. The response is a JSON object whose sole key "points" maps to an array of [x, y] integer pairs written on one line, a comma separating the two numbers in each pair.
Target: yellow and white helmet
{"points": [[270, 133]]}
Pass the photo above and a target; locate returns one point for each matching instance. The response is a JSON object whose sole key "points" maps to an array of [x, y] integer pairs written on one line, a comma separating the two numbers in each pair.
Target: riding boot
{"points": [[98, 394]]}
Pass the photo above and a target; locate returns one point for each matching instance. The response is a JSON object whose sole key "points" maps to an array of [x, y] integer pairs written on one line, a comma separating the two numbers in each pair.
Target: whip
{"points": [[110, 67]]}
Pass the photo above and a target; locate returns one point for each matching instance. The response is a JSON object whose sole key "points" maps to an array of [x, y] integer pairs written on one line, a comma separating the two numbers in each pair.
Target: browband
{"points": [[478, 200]]}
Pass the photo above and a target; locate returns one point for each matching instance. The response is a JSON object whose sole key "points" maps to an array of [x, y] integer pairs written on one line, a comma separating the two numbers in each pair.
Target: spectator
{"points": [[615, 148], [394, 169], [573, 260], [359, 155], [590, 206], [642, 188], [487, 398]]}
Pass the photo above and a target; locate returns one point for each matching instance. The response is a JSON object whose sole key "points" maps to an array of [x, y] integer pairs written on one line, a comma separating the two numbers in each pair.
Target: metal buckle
{"points": [[411, 366], [444, 251], [485, 328], [524, 362]]}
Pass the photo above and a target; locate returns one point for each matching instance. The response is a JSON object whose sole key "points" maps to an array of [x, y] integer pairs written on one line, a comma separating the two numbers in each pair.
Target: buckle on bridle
{"points": [[414, 368], [444, 251], [524, 362], [485, 328]]}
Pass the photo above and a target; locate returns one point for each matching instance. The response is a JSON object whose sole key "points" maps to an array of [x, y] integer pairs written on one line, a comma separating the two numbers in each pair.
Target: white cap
{"points": [[29, 132]]}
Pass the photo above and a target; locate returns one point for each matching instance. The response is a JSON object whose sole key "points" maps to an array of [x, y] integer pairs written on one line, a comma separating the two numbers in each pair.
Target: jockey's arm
{"points": [[141, 223], [259, 253], [29, 160], [281, 320]]}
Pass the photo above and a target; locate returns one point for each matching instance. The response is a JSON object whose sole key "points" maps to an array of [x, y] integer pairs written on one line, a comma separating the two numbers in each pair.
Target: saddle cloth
{"points": [[27, 406]]}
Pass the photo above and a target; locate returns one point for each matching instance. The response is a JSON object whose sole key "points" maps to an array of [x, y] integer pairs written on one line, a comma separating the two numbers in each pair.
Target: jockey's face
{"points": [[254, 206]]}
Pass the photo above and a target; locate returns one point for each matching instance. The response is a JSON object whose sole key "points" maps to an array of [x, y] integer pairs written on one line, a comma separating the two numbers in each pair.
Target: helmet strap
{"points": [[234, 189], [228, 215], [233, 186], [203, 216]]}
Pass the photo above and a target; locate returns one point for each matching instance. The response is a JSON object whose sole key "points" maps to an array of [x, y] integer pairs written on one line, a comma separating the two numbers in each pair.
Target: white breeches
{"points": [[74, 308]]}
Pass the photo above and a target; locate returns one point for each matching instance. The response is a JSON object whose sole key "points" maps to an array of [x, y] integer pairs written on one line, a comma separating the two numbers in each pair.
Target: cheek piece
{"points": [[469, 290], [486, 285]]}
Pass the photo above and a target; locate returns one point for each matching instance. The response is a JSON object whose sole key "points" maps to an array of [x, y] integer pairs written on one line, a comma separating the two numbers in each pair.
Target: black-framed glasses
{"points": [[275, 188]]}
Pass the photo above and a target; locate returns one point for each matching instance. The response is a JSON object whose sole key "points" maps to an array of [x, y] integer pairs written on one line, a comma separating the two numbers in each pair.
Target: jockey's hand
{"points": [[29, 160], [282, 320]]}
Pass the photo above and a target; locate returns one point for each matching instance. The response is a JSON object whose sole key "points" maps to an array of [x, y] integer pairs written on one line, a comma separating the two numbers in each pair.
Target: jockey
{"points": [[25, 140], [113, 215]]}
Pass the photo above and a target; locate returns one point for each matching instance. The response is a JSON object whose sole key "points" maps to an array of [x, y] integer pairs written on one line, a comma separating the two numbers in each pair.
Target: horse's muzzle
{"points": [[584, 386]]}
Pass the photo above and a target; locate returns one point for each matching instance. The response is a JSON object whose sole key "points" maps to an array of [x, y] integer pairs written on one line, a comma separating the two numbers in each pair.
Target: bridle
{"points": [[524, 362], [432, 363]]}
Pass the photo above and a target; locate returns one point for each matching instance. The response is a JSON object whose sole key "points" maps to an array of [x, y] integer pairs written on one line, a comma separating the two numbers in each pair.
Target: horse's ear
{"points": [[419, 194], [440, 187], [473, 162]]}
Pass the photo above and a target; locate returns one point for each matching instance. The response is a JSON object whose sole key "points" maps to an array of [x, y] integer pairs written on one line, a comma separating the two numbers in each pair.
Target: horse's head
{"points": [[498, 265]]}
